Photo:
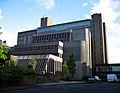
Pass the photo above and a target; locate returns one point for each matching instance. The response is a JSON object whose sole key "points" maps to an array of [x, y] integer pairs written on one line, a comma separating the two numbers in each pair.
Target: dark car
{"points": [[94, 79]]}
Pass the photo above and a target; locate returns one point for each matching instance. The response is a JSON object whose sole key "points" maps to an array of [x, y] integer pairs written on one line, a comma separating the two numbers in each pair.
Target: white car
{"points": [[112, 78], [94, 79]]}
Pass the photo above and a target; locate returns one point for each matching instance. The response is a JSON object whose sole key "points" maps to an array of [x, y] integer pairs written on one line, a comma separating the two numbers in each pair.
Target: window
{"points": [[68, 35], [57, 36], [65, 35], [37, 47], [34, 48], [45, 47], [60, 35], [54, 36], [55, 46], [49, 47], [47, 38]]}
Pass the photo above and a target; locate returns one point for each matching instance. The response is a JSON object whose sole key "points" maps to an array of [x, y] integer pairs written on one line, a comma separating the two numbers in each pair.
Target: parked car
{"points": [[94, 79], [112, 78]]}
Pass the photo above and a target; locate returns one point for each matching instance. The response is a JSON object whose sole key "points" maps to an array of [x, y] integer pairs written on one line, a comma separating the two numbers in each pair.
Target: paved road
{"points": [[72, 88]]}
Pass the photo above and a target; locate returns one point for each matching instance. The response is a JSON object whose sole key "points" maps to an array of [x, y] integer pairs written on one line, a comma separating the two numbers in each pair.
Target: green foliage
{"points": [[11, 63], [71, 65], [12, 74], [3, 52], [29, 71], [65, 69], [33, 63]]}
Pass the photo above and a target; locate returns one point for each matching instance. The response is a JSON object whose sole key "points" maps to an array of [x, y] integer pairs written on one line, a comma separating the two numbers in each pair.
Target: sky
{"points": [[22, 15]]}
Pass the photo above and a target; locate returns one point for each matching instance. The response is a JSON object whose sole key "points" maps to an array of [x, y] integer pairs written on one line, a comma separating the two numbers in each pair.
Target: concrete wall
{"points": [[80, 46], [80, 53]]}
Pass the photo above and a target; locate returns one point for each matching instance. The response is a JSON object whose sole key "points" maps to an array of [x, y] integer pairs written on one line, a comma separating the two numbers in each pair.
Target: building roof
{"points": [[27, 31], [48, 56], [62, 26]]}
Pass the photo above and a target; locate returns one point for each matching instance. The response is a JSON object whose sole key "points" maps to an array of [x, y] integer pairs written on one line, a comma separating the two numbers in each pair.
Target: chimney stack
{"points": [[45, 21]]}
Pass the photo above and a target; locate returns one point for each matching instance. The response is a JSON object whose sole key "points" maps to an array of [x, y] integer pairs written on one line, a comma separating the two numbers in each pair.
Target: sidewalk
{"points": [[42, 84], [62, 82]]}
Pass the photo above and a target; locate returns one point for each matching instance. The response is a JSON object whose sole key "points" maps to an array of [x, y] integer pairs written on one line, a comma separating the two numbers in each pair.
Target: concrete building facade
{"points": [[99, 42], [61, 41]]}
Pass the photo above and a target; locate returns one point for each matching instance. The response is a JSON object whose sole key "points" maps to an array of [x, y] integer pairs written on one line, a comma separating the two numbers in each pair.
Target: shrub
{"points": [[29, 71], [12, 74]]}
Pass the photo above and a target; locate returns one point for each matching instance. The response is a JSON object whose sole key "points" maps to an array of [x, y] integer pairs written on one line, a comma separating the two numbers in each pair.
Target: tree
{"points": [[71, 65], [3, 54], [65, 69], [32, 63]]}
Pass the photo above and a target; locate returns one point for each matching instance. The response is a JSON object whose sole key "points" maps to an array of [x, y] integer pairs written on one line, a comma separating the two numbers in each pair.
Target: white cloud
{"points": [[47, 4], [87, 16], [9, 37], [110, 10], [84, 4]]}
